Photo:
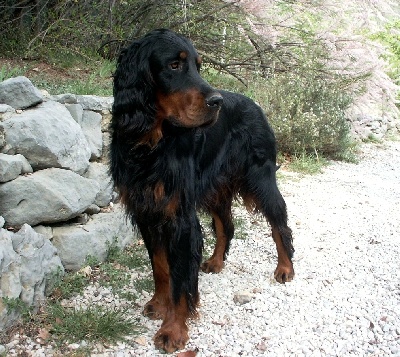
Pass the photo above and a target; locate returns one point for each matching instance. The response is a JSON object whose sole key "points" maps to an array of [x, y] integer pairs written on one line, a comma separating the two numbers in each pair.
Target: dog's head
{"points": [[158, 75]]}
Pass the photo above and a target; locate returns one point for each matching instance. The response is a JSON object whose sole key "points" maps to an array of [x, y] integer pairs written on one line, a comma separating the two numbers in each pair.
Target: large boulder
{"points": [[47, 136], [19, 93], [48, 196], [29, 266], [93, 238]]}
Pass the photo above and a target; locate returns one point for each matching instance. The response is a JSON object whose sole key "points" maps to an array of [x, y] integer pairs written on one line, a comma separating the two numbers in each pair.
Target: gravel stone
{"points": [[344, 299]]}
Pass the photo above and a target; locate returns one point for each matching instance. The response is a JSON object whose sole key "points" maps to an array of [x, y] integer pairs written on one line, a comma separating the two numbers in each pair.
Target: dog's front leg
{"points": [[173, 333], [157, 307], [183, 257]]}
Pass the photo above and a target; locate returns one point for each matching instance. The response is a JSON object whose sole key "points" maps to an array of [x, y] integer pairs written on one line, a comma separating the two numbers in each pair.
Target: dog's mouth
{"points": [[209, 123], [205, 124]]}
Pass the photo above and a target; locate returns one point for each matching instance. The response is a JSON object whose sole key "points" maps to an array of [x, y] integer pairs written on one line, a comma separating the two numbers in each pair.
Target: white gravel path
{"points": [[345, 297]]}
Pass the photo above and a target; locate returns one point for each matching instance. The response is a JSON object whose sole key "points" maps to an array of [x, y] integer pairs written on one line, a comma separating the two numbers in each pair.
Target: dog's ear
{"points": [[133, 111], [134, 98]]}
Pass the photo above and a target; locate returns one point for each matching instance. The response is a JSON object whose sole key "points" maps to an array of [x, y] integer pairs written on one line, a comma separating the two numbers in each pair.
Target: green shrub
{"points": [[307, 114]]}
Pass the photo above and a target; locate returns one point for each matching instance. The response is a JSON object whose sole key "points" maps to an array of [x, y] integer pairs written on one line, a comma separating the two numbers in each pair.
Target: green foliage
{"points": [[132, 257], [69, 285], [16, 305], [6, 72], [307, 163], [390, 36], [93, 324], [145, 284], [288, 74], [240, 228], [307, 114], [222, 80], [115, 271], [98, 82]]}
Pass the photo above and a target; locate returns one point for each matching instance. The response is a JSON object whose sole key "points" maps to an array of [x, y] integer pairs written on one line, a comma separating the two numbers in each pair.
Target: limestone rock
{"points": [[99, 172], [93, 238], [6, 111], [26, 166], [19, 93], [91, 127], [243, 297], [48, 137], [10, 167], [50, 195], [76, 111], [45, 231], [95, 103], [2, 137], [93, 209], [29, 266], [39, 264], [66, 98], [10, 272], [90, 123]]}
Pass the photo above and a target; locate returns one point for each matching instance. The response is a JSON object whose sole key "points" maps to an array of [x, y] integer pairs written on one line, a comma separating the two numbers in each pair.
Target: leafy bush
{"points": [[307, 114]]}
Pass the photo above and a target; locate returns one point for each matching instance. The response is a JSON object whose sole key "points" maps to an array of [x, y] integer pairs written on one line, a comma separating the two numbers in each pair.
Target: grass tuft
{"points": [[94, 324], [307, 163], [7, 72]]}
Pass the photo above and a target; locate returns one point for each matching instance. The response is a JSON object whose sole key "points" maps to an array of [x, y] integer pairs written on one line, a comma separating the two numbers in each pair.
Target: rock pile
{"points": [[374, 127], [56, 196]]}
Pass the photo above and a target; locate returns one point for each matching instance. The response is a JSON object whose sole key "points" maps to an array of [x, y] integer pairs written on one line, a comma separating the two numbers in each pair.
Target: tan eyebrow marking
{"points": [[183, 55]]}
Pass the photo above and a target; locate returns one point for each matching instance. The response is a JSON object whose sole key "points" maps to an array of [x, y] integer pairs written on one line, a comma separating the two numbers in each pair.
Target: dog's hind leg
{"points": [[224, 230], [263, 190], [282, 236]]}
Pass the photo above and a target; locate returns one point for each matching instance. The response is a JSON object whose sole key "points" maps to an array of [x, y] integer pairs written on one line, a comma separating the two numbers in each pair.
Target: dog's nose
{"points": [[215, 100]]}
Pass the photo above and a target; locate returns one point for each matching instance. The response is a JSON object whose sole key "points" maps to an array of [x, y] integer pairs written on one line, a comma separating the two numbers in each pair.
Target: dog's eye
{"points": [[175, 65]]}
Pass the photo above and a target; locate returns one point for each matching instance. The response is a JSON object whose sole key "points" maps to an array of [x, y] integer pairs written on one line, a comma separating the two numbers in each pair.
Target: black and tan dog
{"points": [[178, 146]]}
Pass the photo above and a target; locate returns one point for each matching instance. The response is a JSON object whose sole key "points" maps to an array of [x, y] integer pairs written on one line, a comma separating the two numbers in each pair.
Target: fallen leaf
{"points": [[43, 336], [86, 271], [141, 341]]}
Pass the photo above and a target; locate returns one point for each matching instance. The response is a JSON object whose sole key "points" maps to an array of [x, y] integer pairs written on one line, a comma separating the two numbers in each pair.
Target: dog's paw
{"points": [[212, 265], [171, 337], [284, 274], [154, 310]]}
